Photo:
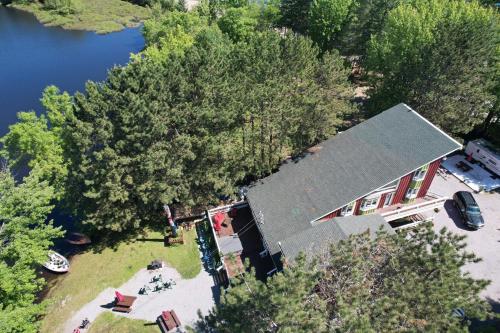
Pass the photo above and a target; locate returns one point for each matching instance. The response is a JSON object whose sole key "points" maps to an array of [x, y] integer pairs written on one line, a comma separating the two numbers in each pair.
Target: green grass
{"points": [[91, 273], [101, 16], [108, 322]]}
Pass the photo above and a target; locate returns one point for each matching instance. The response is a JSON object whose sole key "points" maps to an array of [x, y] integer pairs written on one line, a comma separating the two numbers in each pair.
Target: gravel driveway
{"points": [[485, 243]]}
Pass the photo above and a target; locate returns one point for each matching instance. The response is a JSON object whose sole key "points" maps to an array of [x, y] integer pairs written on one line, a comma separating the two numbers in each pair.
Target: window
{"points": [[369, 204], [388, 199], [420, 174], [411, 193], [348, 209]]}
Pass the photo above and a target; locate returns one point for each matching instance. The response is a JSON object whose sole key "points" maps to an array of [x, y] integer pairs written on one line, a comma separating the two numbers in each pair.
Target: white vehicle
{"points": [[484, 152], [56, 263]]}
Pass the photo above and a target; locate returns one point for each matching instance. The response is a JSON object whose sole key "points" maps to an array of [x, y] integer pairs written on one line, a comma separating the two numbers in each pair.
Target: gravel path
{"points": [[186, 298]]}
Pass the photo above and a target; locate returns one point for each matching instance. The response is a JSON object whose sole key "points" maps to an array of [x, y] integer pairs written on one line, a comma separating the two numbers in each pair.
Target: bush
{"points": [[63, 7]]}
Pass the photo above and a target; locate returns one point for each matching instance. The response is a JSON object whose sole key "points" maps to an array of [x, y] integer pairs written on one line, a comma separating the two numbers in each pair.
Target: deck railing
{"points": [[407, 210]]}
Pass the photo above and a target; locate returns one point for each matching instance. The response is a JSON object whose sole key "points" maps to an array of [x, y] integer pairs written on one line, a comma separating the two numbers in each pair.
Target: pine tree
{"points": [[196, 123], [405, 282]]}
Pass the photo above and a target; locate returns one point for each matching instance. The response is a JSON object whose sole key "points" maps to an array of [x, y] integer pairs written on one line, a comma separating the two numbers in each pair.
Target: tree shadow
{"points": [[161, 240], [490, 324], [454, 215]]}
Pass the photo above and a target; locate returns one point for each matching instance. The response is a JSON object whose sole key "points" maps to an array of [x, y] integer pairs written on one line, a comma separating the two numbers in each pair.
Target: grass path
{"points": [[92, 272], [101, 16]]}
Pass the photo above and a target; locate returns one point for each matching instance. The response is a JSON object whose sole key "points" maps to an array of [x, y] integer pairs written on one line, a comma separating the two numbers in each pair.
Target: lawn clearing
{"points": [[91, 273], [101, 16], [108, 322]]}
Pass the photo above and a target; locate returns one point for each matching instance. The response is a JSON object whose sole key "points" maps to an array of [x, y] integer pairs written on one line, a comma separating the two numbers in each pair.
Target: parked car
{"points": [[469, 210]]}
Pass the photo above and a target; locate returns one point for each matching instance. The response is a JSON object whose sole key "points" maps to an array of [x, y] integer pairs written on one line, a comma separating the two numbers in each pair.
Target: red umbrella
{"points": [[218, 218], [119, 296]]}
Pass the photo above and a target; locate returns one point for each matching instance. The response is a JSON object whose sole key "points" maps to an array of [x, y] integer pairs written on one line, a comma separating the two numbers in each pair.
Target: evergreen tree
{"points": [[295, 15], [404, 282], [286, 303], [196, 123]]}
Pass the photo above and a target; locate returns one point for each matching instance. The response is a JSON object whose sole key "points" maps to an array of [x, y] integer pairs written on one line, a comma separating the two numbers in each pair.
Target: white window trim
{"points": [[348, 209], [419, 175], [373, 204], [411, 193]]}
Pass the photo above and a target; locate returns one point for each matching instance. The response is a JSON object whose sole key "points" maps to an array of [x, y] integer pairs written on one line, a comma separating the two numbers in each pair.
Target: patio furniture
{"points": [[168, 320], [155, 264], [122, 309], [144, 290], [123, 303]]}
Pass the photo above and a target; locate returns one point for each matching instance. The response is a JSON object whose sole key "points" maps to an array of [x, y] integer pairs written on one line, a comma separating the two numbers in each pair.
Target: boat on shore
{"points": [[56, 263], [77, 238]]}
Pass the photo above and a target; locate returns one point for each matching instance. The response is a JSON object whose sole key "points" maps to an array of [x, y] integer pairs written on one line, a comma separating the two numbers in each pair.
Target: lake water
{"points": [[33, 56]]}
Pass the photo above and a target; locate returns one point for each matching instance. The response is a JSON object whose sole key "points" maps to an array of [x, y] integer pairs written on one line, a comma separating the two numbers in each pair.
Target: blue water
{"points": [[33, 56]]}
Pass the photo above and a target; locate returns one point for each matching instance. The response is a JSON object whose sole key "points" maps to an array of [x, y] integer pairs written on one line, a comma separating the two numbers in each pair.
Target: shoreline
{"points": [[120, 15]]}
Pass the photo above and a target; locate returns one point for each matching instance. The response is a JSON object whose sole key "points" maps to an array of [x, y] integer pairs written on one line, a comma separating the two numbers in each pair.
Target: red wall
{"points": [[382, 200], [404, 182], [330, 216], [429, 176], [356, 206]]}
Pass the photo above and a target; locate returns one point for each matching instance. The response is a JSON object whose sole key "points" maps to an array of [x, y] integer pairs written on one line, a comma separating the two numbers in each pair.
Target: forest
{"points": [[220, 96]]}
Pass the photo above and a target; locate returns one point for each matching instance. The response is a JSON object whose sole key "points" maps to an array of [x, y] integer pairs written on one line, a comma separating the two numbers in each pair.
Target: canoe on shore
{"points": [[56, 263], [77, 238]]}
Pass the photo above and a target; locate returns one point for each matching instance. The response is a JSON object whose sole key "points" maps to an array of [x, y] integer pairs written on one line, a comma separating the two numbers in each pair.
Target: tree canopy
{"points": [[25, 237], [327, 18], [437, 56], [404, 282], [197, 123], [38, 141]]}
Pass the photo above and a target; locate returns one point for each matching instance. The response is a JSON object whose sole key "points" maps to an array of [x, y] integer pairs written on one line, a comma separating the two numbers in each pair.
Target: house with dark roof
{"points": [[363, 178]]}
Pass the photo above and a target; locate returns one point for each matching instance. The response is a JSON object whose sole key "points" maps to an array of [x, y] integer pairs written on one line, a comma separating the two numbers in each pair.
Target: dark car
{"points": [[469, 209]]}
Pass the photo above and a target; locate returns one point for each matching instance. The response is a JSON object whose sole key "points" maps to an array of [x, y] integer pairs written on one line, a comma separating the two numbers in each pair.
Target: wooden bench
{"points": [[127, 301], [125, 305], [122, 309], [176, 319]]}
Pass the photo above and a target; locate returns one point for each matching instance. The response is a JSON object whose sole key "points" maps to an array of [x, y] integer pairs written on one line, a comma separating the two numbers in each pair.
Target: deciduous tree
{"points": [[438, 57], [327, 18], [25, 237]]}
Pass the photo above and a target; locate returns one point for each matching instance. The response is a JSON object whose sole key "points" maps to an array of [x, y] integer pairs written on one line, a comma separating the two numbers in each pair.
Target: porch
{"points": [[238, 239], [419, 206]]}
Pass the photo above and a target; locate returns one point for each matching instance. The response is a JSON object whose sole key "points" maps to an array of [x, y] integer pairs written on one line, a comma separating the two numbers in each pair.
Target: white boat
{"points": [[56, 263]]}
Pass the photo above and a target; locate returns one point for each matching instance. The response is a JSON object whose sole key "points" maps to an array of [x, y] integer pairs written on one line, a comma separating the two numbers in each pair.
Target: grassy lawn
{"points": [[101, 16], [108, 322], [92, 272]]}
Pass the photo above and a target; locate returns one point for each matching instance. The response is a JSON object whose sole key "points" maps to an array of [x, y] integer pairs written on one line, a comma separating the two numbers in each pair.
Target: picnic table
{"points": [[168, 320], [123, 303]]}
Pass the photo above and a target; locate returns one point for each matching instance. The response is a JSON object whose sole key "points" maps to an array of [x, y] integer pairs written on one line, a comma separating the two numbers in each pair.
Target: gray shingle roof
{"points": [[317, 238], [343, 169]]}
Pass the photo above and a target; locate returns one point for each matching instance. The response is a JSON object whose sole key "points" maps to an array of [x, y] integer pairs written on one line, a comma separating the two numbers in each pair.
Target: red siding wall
{"points": [[429, 176], [404, 182], [330, 216], [382, 200], [356, 206]]}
